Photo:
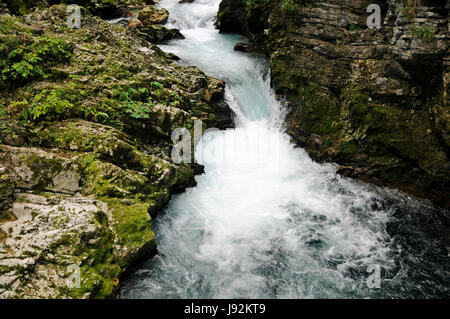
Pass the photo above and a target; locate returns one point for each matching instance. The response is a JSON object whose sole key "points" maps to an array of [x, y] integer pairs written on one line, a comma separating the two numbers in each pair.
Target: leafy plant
{"points": [[424, 33], [289, 6], [250, 6], [51, 103], [2, 110], [132, 101], [89, 159], [23, 62], [176, 99], [139, 110], [156, 85], [353, 28], [158, 89]]}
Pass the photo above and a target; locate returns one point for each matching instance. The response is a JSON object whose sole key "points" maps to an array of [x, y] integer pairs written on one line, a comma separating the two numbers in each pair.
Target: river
{"points": [[265, 221]]}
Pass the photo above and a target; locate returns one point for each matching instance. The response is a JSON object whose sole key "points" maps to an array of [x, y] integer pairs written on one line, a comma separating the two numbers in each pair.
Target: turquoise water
{"points": [[265, 221]]}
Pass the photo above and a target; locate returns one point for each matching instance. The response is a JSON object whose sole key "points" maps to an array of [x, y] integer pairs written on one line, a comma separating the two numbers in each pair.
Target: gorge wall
{"points": [[374, 101], [86, 116]]}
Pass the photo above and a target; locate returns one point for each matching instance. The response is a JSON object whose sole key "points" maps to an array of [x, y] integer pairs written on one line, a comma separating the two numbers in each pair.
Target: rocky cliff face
{"points": [[374, 101], [86, 117]]}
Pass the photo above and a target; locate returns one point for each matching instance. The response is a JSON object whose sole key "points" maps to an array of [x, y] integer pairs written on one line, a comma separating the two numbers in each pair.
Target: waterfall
{"points": [[265, 221]]}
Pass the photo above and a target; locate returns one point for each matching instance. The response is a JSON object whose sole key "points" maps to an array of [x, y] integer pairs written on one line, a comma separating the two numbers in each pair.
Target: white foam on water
{"points": [[264, 220]]}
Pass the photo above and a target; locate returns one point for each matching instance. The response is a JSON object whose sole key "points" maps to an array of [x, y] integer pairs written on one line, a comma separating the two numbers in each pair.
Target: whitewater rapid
{"points": [[265, 221]]}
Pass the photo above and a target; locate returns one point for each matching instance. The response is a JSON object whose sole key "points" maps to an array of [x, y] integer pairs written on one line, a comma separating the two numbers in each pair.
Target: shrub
{"points": [[136, 102], [51, 104], [23, 62], [288, 6], [424, 33]]}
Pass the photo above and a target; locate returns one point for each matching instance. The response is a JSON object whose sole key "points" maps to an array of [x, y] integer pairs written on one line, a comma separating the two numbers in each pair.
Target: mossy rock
{"points": [[131, 224]]}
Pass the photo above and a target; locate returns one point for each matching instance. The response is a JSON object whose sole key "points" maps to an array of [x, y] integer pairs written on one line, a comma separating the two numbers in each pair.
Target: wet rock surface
{"points": [[85, 141], [374, 101]]}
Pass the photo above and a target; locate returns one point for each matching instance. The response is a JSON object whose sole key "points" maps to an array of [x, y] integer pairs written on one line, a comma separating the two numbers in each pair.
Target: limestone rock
{"points": [[37, 169], [48, 235], [151, 15], [158, 33], [99, 151]]}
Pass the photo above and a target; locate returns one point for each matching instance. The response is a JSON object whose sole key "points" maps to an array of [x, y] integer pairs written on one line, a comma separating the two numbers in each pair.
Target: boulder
{"points": [[158, 33], [232, 16], [151, 15], [48, 237]]}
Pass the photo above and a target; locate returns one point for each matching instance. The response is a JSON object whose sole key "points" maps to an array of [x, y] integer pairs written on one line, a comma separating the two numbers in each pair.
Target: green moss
{"points": [[105, 179], [98, 279], [132, 226], [285, 84], [98, 271], [130, 218], [319, 114], [132, 221], [185, 175], [97, 182], [357, 103], [44, 169], [24, 61], [69, 136], [349, 149]]}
